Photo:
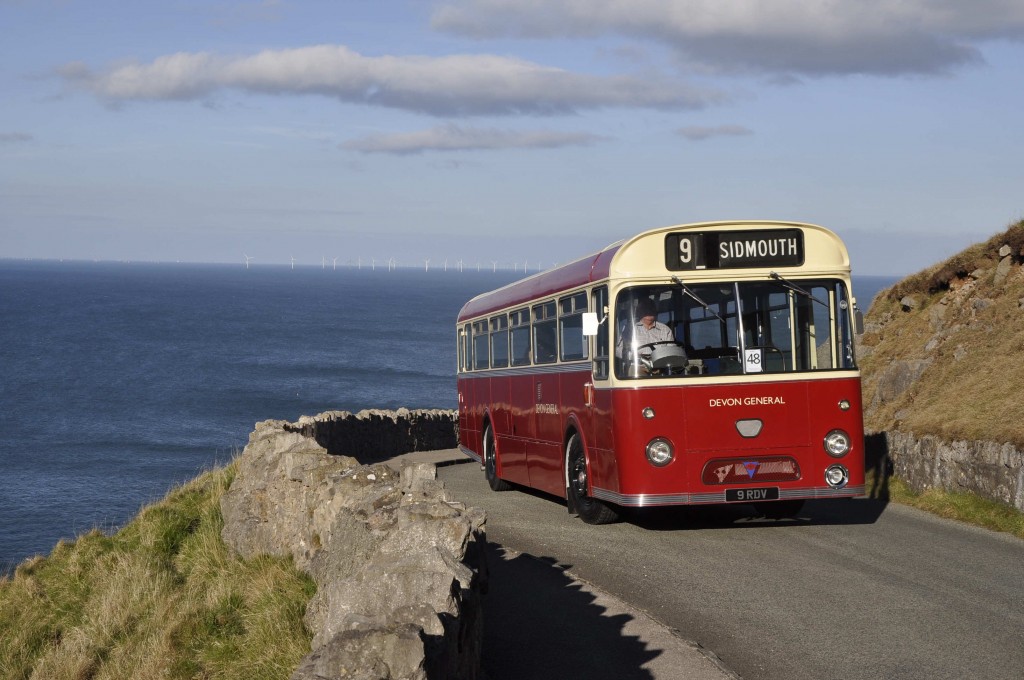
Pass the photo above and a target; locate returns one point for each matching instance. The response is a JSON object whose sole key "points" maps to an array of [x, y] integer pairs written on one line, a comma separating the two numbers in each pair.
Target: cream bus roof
{"points": [[644, 257]]}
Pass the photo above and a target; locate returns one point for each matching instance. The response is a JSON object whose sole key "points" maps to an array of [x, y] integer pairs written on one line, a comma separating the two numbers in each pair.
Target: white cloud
{"points": [[699, 133], [460, 85], [459, 138], [803, 37]]}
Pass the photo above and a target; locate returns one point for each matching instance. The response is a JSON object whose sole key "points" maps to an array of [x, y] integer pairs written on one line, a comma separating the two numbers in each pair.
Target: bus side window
{"points": [[481, 358], [600, 300], [464, 349], [499, 341], [519, 321], [545, 335], [570, 326]]}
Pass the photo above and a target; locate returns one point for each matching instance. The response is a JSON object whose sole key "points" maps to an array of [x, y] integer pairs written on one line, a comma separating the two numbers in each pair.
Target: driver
{"points": [[647, 329]]}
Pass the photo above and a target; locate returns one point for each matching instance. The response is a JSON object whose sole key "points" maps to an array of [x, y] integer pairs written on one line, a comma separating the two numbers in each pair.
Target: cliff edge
{"points": [[399, 564]]}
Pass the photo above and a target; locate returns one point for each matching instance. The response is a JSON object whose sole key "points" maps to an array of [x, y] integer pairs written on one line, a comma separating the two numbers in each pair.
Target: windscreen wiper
{"points": [[795, 288], [686, 289]]}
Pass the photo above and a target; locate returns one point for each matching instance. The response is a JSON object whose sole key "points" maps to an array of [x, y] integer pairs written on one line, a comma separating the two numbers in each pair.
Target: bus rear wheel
{"points": [[590, 510], [491, 464]]}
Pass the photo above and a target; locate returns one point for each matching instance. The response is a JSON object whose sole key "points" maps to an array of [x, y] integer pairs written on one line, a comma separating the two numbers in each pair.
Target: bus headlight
{"points": [[837, 443], [660, 452], [836, 476]]}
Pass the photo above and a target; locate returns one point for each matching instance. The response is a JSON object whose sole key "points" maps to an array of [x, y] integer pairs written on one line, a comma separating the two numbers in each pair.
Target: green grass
{"points": [[963, 507], [163, 597]]}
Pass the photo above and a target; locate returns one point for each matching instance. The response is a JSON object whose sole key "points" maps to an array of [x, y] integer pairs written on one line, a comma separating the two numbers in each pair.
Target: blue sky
{"points": [[502, 130]]}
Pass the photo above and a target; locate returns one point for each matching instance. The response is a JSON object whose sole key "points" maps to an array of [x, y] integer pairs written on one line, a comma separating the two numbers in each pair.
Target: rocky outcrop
{"points": [[399, 564], [942, 365]]}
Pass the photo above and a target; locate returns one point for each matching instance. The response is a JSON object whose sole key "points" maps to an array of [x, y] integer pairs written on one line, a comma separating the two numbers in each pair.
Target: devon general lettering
{"points": [[747, 401]]}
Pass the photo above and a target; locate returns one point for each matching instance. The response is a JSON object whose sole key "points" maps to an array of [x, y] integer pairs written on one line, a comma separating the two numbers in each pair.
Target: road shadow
{"points": [[877, 465], [540, 624], [835, 512], [838, 512]]}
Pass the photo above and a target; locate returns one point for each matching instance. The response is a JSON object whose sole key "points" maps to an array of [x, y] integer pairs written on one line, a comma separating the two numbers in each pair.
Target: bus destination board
{"points": [[734, 249]]}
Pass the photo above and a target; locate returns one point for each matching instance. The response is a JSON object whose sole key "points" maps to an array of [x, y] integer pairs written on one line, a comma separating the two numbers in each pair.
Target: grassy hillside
{"points": [[162, 598], [959, 327]]}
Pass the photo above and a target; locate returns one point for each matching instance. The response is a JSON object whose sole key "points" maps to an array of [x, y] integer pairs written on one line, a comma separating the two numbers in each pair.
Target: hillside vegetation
{"points": [[943, 351], [162, 598]]}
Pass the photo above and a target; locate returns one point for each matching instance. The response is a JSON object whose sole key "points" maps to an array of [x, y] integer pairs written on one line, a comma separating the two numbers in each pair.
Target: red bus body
{"points": [[709, 420]]}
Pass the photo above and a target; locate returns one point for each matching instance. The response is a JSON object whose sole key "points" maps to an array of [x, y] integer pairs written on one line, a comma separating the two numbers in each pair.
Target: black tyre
{"points": [[590, 510], [780, 509], [491, 463]]}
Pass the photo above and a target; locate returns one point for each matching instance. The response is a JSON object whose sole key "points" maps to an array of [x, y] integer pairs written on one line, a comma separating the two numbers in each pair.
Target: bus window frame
{"points": [[547, 323], [601, 362], [519, 327], [570, 310], [499, 327]]}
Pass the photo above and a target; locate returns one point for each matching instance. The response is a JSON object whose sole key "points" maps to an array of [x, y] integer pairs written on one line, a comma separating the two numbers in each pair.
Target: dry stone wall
{"points": [[399, 564], [989, 469], [374, 435]]}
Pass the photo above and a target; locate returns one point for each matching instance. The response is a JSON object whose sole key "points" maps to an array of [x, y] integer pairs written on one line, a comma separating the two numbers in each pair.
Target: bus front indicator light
{"points": [[837, 443], [660, 452], [837, 476]]}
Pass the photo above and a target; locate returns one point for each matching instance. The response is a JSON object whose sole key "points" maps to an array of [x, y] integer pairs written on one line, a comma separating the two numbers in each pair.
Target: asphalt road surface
{"points": [[851, 589]]}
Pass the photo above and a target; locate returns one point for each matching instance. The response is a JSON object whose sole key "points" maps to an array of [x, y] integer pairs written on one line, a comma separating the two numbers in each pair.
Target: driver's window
{"points": [[645, 327]]}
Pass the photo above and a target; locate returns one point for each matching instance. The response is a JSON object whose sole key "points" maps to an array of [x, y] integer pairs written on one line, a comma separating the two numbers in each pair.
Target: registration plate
{"points": [[767, 493]]}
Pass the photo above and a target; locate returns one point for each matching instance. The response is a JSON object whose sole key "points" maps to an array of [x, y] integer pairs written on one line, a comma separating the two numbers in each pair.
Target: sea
{"points": [[120, 380]]}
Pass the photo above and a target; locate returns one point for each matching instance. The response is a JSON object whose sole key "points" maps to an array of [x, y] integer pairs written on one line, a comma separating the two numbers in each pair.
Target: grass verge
{"points": [[163, 597], [963, 507]]}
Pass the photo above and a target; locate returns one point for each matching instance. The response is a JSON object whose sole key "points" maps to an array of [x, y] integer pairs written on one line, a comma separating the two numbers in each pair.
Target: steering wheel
{"points": [[668, 362]]}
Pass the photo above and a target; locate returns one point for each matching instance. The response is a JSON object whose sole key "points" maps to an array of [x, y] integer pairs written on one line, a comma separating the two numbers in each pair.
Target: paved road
{"points": [[853, 589]]}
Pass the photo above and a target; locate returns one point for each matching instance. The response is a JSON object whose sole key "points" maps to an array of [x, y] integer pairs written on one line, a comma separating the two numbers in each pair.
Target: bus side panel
{"points": [[469, 424], [560, 395], [462, 387], [501, 410], [513, 448], [604, 468]]}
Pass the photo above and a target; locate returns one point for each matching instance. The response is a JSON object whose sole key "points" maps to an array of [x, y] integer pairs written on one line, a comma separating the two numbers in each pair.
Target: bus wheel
{"points": [[590, 510], [780, 509], [491, 464]]}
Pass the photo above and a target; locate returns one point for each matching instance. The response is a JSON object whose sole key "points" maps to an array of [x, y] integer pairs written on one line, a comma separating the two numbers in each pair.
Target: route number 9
{"points": [[685, 250]]}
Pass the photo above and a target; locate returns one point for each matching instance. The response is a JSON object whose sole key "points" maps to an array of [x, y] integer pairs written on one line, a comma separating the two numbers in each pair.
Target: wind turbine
{"points": [[293, 262], [335, 264], [247, 258], [323, 262], [426, 265], [392, 264], [494, 266]]}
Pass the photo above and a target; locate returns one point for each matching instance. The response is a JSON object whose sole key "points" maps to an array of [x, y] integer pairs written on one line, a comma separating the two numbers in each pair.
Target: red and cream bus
{"points": [[694, 364]]}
